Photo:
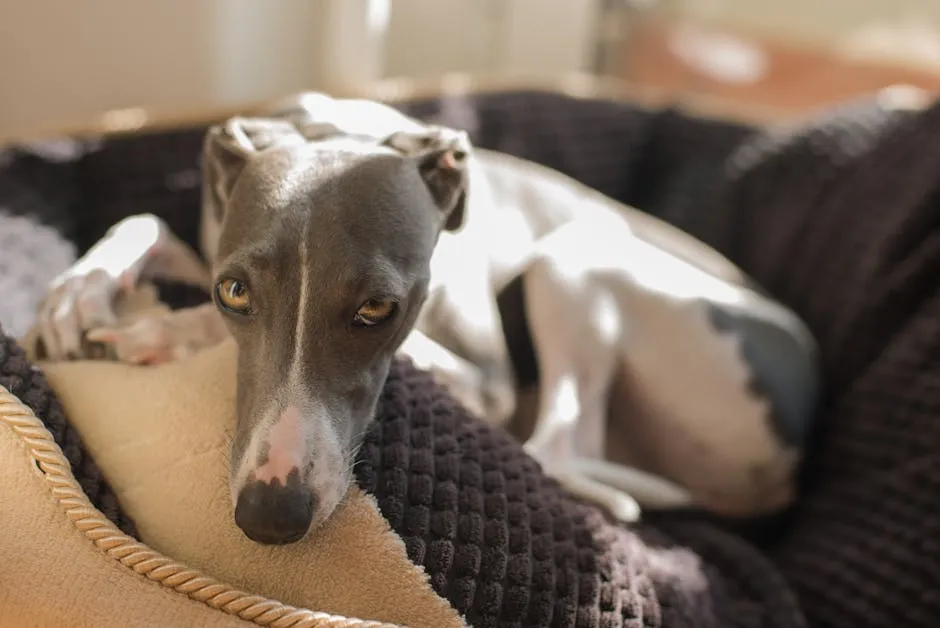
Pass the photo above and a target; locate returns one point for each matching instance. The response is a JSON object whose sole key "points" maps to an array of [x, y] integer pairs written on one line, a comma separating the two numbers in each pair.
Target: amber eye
{"points": [[233, 296], [374, 312]]}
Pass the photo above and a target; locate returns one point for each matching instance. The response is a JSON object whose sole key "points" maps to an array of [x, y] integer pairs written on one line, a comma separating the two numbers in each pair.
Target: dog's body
{"points": [[674, 357], [348, 202]]}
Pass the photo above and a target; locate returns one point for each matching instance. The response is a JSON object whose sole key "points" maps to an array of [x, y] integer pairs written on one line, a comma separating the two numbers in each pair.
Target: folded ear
{"points": [[442, 157], [228, 147]]}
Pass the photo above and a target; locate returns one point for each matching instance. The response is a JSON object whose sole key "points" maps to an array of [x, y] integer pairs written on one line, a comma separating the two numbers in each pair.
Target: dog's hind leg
{"points": [[586, 437], [576, 358], [649, 490]]}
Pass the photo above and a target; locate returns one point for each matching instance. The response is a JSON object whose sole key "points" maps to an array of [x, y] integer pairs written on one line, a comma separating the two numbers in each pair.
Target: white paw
{"points": [[76, 303], [489, 401], [620, 505], [463, 387], [152, 340]]}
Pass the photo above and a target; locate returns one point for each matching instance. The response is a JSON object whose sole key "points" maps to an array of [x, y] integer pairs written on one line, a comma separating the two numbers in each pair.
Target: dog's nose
{"points": [[274, 514]]}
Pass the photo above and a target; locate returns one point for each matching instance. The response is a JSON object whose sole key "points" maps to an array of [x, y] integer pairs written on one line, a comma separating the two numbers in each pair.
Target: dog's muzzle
{"points": [[276, 503]]}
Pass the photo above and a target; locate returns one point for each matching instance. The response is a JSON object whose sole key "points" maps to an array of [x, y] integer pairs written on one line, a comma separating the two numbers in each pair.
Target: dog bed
{"points": [[833, 217]]}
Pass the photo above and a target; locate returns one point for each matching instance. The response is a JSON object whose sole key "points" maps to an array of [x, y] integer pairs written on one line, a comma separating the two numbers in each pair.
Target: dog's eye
{"points": [[374, 312], [233, 296]]}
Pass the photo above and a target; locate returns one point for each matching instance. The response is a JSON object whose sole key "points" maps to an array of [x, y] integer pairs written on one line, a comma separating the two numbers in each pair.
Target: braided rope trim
{"points": [[139, 558]]}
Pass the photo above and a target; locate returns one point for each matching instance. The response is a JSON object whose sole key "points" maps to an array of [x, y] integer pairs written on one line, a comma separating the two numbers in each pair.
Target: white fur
{"points": [[604, 304], [303, 303]]}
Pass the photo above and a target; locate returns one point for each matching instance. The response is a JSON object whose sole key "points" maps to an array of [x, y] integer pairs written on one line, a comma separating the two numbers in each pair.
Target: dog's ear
{"points": [[442, 157], [230, 145]]}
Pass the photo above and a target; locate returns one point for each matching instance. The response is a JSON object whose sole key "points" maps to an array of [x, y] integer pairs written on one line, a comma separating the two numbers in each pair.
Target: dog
{"points": [[337, 233]]}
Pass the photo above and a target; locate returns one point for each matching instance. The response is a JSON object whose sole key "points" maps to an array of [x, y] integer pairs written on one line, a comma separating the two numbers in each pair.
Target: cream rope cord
{"points": [[136, 556]]}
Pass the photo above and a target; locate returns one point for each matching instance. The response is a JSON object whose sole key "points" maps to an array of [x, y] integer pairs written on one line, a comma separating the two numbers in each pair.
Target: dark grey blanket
{"points": [[835, 217]]}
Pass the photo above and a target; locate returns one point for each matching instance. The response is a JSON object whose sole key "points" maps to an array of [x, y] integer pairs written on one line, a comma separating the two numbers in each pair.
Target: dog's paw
{"points": [[148, 341], [486, 400], [77, 303], [618, 504], [466, 390], [499, 401]]}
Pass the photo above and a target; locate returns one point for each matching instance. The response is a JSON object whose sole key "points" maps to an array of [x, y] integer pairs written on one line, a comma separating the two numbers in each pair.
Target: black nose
{"points": [[274, 514]]}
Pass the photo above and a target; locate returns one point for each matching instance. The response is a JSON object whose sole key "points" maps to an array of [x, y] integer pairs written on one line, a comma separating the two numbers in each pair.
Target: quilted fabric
{"points": [[840, 219], [29, 384], [508, 547], [836, 217]]}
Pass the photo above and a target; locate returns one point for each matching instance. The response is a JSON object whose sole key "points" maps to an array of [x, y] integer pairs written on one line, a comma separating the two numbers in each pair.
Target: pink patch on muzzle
{"points": [[285, 448]]}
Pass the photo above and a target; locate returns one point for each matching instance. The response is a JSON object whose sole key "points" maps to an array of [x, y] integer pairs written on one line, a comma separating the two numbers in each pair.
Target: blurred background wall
{"points": [[64, 62]]}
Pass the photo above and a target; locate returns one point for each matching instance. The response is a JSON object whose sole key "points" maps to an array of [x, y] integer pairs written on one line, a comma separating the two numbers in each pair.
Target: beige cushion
{"points": [[160, 436], [53, 574]]}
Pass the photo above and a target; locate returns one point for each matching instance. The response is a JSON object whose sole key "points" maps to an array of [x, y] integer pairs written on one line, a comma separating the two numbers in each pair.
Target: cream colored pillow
{"points": [[160, 436]]}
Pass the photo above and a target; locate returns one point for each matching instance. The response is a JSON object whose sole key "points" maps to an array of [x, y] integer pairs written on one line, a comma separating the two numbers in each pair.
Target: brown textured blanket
{"points": [[835, 217]]}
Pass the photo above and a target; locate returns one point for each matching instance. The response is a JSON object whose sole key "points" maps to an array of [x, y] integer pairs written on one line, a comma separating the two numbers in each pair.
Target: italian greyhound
{"points": [[339, 232]]}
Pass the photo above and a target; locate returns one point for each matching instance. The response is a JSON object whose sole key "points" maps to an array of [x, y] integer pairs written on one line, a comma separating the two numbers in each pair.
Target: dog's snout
{"points": [[277, 504], [291, 474], [275, 514]]}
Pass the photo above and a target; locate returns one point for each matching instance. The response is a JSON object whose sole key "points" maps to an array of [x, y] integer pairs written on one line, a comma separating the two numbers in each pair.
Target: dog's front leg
{"points": [[463, 320], [165, 337], [83, 297]]}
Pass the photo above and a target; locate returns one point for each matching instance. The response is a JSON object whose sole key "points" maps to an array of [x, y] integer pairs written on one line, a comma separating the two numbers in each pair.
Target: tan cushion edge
{"points": [[137, 557], [161, 436]]}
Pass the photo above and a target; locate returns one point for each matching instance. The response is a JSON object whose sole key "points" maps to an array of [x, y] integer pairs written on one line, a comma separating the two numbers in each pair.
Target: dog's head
{"points": [[322, 265]]}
